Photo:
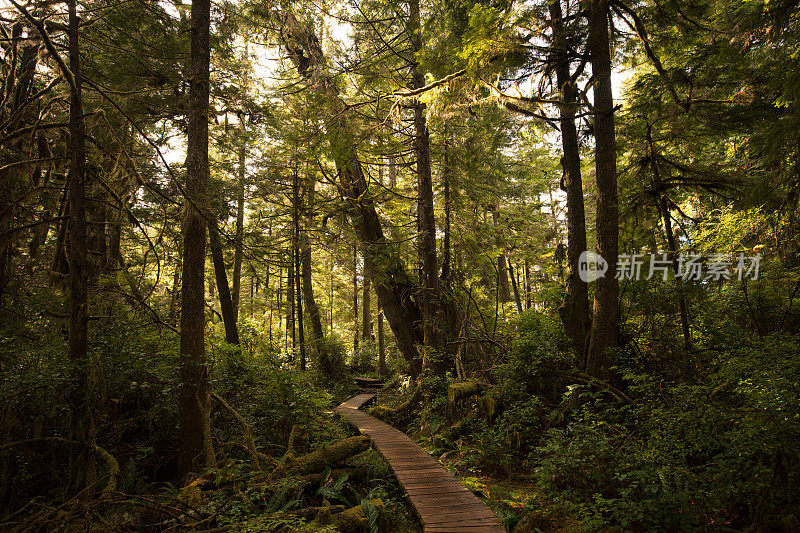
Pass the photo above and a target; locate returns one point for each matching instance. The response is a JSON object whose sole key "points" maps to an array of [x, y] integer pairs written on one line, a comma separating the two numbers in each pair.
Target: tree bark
{"points": [[574, 311], [83, 427], [298, 276], [223, 291], [395, 290], [48, 204], [312, 309], [447, 207], [366, 307], [17, 84], [515, 286], [527, 284], [503, 289], [194, 401], [238, 238], [355, 299], [381, 346], [605, 321], [290, 316], [427, 221]]}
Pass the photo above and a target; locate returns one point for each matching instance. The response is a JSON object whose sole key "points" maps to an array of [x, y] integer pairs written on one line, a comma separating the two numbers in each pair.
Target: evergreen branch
{"points": [[48, 43]]}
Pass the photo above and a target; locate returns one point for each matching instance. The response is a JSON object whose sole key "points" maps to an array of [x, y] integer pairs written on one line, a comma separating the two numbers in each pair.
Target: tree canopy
{"points": [[564, 233]]}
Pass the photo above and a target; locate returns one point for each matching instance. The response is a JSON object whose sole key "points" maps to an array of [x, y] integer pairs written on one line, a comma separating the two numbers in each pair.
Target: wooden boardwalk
{"points": [[443, 504]]}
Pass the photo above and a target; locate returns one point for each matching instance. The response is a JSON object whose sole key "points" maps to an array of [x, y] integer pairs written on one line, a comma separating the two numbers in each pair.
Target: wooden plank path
{"points": [[443, 504]]}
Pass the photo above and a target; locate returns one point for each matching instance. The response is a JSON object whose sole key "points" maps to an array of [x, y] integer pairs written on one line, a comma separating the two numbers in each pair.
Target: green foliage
{"points": [[275, 399], [540, 345], [714, 450], [334, 490], [373, 515], [330, 355], [365, 359]]}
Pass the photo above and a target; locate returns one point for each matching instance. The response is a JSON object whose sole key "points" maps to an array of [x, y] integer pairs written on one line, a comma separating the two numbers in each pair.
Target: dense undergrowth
{"points": [[288, 413], [678, 440]]}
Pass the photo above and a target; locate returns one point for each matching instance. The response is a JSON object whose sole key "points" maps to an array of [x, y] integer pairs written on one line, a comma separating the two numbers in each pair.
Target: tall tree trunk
{"points": [[194, 380], [312, 309], [221, 277], [515, 286], [290, 316], [683, 307], [366, 307], [381, 346], [355, 299], [504, 291], [278, 303], [301, 334], [238, 238], [574, 311], [83, 425], [48, 202], [330, 296], [605, 321], [18, 83], [527, 284], [427, 220], [114, 260], [395, 289], [666, 218], [447, 208], [298, 276]]}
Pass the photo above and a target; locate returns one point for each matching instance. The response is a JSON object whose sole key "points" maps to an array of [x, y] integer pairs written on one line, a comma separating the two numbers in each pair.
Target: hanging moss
{"points": [[464, 389], [353, 520]]}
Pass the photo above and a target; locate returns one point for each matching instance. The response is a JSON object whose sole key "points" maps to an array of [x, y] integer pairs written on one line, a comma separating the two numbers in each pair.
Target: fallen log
{"points": [[318, 460], [462, 390], [353, 520], [310, 513], [319, 477]]}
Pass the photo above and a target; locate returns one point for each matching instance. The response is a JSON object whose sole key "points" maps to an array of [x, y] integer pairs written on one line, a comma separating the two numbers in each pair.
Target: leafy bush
{"points": [[687, 455]]}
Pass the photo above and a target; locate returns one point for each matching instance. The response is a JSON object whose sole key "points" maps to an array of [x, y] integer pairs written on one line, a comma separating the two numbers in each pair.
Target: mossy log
{"points": [[353, 520], [463, 389], [317, 477], [312, 512], [317, 460], [383, 411]]}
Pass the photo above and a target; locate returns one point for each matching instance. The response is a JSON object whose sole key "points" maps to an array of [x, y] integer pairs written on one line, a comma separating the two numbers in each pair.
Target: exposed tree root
{"points": [[599, 383], [383, 411]]}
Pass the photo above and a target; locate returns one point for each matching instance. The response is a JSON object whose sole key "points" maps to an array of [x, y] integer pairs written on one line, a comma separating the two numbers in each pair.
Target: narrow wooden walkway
{"points": [[443, 504]]}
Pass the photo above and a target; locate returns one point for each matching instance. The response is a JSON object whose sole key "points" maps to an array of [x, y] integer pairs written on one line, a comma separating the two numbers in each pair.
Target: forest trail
{"points": [[443, 504]]}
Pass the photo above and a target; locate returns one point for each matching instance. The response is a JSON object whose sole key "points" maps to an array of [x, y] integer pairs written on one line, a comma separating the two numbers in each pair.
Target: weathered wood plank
{"points": [[442, 503]]}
